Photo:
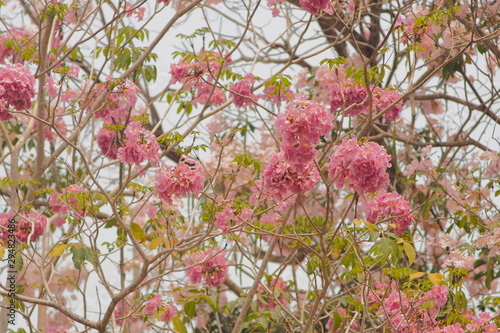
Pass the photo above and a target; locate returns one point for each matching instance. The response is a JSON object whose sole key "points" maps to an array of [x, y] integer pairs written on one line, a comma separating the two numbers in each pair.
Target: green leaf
{"points": [[190, 309], [410, 252], [336, 321], [19, 261], [138, 233], [179, 325], [78, 256], [90, 256]]}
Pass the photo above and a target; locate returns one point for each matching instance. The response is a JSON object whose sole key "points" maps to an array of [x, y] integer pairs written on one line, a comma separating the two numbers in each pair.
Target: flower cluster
{"points": [[27, 227], [390, 206], [282, 178], [362, 166], [141, 145], [223, 219], [279, 290], [411, 310], [108, 143], [241, 92], [209, 266], [383, 98], [354, 100], [205, 65], [314, 6], [122, 97], [301, 126], [73, 199], [16, 89], [179, 181], [14, 40], [155, 305]]}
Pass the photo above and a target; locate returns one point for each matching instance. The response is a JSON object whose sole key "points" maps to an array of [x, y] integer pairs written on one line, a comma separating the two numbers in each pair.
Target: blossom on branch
{"points": [[141, 145], [16, 89], [392, 207], [180, 181], [301, 126], [362, 166], [282, 178], [209, 267]]}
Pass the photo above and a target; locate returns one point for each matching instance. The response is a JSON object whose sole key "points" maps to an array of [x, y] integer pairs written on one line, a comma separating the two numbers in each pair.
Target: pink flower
{"points": [[390, 206], [459, 260], [383, 99], [169, 312], [152, 305], [223, 219], [362, 166], [242, 92], [278, 289], [182, 180], [16, 89], [141, 145], [210, 266], [205, 91], [73, 199], [314, 6], [107, 142], [121, 99], [282, 178], [204, 66], [352, 98], [301, 126], [25, 227], [12, 41]]}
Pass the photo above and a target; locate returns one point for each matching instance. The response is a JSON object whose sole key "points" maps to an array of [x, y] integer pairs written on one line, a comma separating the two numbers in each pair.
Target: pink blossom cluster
{"points": [[459, 260], [385, 97], [73, 199], [481, 323], [12, 41], [362, 166], [354, 100], [16, 89], [156, 305], [279, 290], [182, 180], [223, 219], [412, 311], [121, 99], [273, 3], [314, 6], [209, 266], [301, 126], [241, 92], [141, 145], [206, 67], [108, 143], [281, 178], [138, 12], [26, 227], [390, 207], [208, 94]]}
